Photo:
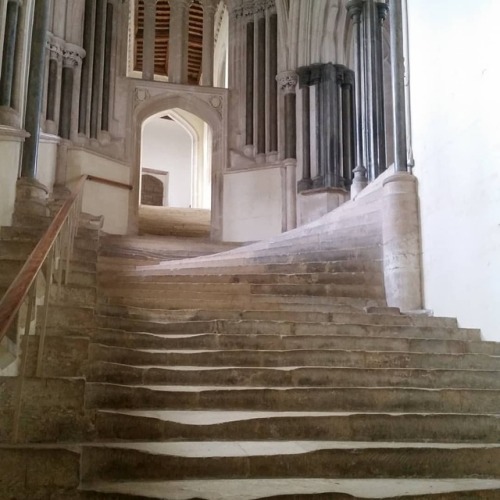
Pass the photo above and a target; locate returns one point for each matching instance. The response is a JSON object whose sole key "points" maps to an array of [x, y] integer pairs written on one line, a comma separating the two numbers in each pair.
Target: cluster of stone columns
{"points": [[260, 25], [95, 89], [368, 18], [178, 40], [333, 135]]}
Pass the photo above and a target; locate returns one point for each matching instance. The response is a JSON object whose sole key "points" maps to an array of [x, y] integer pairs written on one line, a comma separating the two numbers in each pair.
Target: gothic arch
{"points": [[208, 112]]}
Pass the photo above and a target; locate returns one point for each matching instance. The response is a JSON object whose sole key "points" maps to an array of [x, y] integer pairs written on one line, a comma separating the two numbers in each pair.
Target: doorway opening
{"points": [[176, 171]]}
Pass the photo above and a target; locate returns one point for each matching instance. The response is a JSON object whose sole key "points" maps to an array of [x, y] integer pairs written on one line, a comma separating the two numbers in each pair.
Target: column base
{"points": [[401, 242], [10, 117], [31, 200], [315, 203]]}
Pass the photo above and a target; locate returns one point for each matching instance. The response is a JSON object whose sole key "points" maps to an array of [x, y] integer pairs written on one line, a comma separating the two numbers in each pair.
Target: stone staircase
{"points": [[274, 370]]}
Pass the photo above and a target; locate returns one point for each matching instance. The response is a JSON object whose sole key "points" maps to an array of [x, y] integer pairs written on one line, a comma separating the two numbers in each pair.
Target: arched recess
{"points": [[203, 110]]}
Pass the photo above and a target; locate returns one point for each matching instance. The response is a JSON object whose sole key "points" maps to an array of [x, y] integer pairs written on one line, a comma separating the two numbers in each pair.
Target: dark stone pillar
{"points": [[315, 81], [360, 180], [398, 89], [35, 87], [86, 68], [97, 75], [261, 86], [249, 84], [52, 89], [273, 86], [9, 53], [288, 82], [66, 100], [306, 181], [106, 87], [348, 128]]}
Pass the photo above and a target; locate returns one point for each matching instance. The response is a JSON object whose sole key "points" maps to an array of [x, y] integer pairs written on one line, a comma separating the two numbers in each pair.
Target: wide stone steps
{"points": [[293, 357], [290, 376], [339, 278], [303, 488], [229, 301], [211, 341], [149, 290], [325, 266], [342, 314], [366, 399], [140, 425], [158, 461], [255, 327]]}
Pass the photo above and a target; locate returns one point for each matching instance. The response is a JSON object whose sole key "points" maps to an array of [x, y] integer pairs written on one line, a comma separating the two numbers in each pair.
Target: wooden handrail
{"points": [[109, 182], [19, 288]]}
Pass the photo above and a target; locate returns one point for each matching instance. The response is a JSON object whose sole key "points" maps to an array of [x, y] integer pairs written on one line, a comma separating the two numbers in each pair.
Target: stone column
{"points": [[287, 82], [69, 64], [348, 128], [35, 88], [98, 67], [306, 181], [360, 180], [106, 85], [398, 86], [207, 70], [9, 53], [273, 87], [148, 57], [401, 242], [178, 48], [86, 74], [54, 77], [260, 95], [250, 27]]}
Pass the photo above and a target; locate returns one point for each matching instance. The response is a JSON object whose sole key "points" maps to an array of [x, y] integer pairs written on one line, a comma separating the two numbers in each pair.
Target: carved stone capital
{"points": [[355, 8], [73, 55], [382, 10], [55, 46], [287, 81]]}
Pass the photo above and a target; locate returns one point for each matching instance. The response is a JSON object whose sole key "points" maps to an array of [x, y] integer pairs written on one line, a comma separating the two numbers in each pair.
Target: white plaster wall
{"points": [[9, 154], [167, 146], [253, 204], [101, 199], [456, 103], [47, 161]]}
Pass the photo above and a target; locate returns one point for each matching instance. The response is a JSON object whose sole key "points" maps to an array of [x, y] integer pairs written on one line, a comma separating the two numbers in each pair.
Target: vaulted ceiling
{"points": [[162, 35]]}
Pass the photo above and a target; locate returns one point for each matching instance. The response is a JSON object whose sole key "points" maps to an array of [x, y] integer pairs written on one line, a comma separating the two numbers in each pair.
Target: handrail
{"points": [[20, 287], [110, 182]]}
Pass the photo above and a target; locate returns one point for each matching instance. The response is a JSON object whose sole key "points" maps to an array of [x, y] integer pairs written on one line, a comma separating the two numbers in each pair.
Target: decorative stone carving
{"points": [[141, 95], [248, 8], [73, 55], [55, 46], [287, 81]]}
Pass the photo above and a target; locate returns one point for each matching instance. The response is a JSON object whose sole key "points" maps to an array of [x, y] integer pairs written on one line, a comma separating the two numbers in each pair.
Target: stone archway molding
{"points": [[208, 104]]}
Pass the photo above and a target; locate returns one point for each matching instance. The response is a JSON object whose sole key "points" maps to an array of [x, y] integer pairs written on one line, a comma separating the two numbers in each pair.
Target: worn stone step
{"points": [[342, 278], [9, 269], [326, 266], [323, 426], [71, 294], [319, 314], [39, 472], [83, 278], [217, 290], [283, 342], [63, 315], [256, 327], [16, 250], [306, 489], [318, 376], [293, 357], [115, 396], [293, 459]]}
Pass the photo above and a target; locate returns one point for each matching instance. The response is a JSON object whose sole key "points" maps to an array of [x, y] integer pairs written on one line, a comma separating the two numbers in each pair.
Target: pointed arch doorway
{"points": [[207, 164]]}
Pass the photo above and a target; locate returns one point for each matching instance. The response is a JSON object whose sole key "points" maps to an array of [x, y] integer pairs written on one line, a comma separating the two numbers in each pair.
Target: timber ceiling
{"points": [[162, 35]]}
